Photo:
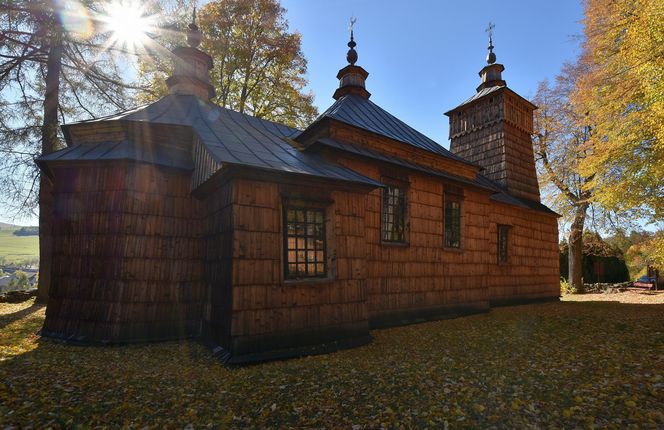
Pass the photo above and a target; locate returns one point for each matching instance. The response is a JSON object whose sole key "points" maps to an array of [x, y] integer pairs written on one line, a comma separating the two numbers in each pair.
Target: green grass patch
{"points": [[18, 249], [554, 365]]}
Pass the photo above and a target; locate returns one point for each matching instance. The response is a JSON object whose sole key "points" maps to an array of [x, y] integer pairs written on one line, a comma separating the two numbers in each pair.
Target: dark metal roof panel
{"points": [[486, 91], [503, 196], [478, 95], [122, 150], [363, 113], [239, 139]]}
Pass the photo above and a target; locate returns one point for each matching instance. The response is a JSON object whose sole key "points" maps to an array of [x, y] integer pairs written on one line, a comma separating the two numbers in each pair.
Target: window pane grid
{"points": [[502, 243], [305, 243], [452, 223], [394, 214]]}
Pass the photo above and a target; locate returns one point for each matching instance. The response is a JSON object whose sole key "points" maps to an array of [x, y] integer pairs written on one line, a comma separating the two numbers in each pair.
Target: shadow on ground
{"points": [[561, 365]]}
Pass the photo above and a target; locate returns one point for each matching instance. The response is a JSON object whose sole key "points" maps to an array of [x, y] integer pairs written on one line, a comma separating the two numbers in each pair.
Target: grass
{"points": [[558, 365], [18, 248]]}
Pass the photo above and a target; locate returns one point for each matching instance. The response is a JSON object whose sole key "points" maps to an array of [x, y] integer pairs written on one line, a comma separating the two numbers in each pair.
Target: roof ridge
{"points": [[377, 120], [214, 105]]}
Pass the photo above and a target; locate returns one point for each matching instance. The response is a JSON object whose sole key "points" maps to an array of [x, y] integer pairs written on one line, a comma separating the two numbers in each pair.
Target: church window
{"points": [[394, 214], [503, 231], [452, 212], [304, 243]]}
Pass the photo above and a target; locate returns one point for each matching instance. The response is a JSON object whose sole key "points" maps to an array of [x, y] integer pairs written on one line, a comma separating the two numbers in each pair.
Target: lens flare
{"points": [[129, 24], [75, 18]]}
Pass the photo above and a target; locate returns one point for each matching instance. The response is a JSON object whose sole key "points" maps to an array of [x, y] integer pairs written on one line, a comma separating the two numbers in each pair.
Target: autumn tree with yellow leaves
{"points": [[560, 143], [622, 90], [599, 135], [258, 65]]}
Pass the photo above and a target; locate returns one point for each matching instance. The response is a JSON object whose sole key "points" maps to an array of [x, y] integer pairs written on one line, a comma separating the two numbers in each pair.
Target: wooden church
{"points": [[184, 219]]}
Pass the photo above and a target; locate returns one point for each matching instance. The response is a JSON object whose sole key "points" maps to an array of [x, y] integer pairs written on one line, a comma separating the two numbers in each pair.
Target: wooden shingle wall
{"points": [[270, 313], [520, 164], [401, 150], [423, 279], [128, 260], [484, 147], [218, 263], [532, 270], [97, 132], [495, 133]]}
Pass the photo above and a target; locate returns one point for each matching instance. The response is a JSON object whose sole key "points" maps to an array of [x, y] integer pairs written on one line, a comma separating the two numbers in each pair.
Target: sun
{"points": [[129, 23]]}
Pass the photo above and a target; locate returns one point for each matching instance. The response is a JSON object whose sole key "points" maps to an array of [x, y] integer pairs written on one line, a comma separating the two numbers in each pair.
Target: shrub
{"points": [[27, 231], [565, 287]]}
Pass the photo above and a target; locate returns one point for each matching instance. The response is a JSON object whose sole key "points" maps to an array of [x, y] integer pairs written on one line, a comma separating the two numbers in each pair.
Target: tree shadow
{"points": [[7, 319]]}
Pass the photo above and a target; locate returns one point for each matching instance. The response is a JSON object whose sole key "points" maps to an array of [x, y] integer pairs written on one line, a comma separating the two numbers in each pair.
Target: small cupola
{"points": [[191, 67], [491, 74], [352, 77]]}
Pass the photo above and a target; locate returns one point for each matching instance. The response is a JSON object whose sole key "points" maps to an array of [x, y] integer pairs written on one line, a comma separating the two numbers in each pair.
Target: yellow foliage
{"points": [[623, 93], [554, 365]]}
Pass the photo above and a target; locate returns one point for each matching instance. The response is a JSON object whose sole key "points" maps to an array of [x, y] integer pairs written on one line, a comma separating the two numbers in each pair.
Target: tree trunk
{"points": [[576, 249], [49, 144]]}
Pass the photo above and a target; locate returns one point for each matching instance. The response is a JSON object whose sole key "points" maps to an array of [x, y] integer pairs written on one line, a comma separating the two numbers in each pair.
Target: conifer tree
{"points": [[56, 65]]}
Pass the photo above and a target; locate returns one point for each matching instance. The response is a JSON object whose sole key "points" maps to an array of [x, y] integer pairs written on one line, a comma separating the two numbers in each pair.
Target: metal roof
{"points": [[122, 150], [483, 92], [363, 113], [237, 139], [499, 195], [503, 196], [486, 91]]}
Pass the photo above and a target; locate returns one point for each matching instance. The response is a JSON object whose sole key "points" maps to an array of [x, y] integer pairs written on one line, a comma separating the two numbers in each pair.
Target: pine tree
{"points": [[56, 65]]}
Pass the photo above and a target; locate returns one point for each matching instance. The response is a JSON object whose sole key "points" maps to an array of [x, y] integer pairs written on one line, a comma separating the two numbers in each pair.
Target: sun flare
{"points": [[129, 23]]}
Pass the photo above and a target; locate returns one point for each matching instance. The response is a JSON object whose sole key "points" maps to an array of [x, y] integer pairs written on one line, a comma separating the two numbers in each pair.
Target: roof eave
{"points": [[236, 171], [499, 90]]}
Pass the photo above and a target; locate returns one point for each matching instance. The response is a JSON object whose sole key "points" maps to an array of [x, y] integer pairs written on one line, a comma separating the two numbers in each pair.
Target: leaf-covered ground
{"points": [[558, 365]]}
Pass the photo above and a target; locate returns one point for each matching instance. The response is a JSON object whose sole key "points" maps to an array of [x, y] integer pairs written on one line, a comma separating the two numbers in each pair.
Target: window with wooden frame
{"points": [[503, 232], [393, 214], [452, 212], [305, 254]]}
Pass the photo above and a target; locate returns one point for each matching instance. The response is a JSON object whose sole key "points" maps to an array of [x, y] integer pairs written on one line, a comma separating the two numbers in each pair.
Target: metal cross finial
{"points": [[491, 58], [490, 28], [353, 20], [352, 54], [193, 35]]}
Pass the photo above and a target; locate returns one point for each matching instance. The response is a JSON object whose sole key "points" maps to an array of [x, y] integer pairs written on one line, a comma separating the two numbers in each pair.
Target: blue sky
{"points": [[423, 56]]}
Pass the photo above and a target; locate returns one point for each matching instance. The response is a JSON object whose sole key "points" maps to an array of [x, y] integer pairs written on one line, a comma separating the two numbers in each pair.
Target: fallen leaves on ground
{"points": [[555, 365]]}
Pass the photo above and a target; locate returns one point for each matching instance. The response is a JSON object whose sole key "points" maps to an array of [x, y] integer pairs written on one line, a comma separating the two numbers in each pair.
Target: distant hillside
{"points": [[7, 226], [17, 250]]}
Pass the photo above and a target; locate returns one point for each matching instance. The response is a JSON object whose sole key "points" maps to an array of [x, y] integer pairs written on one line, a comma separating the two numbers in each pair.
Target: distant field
{"points": [[18, 248]]}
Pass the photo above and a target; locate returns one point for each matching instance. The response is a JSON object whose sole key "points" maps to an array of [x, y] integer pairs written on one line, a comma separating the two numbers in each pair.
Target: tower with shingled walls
{"points": [[493, 129]]}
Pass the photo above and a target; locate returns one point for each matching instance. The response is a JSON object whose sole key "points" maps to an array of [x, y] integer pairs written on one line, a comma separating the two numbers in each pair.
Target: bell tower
{"points": [[493, 129]]}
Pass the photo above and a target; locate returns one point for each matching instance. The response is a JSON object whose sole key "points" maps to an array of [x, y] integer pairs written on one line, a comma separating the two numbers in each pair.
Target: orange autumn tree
{"points": [[623, 92]]}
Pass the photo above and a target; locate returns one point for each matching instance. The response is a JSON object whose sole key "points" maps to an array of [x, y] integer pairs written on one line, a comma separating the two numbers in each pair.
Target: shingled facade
{"points": [[184, 219]]}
